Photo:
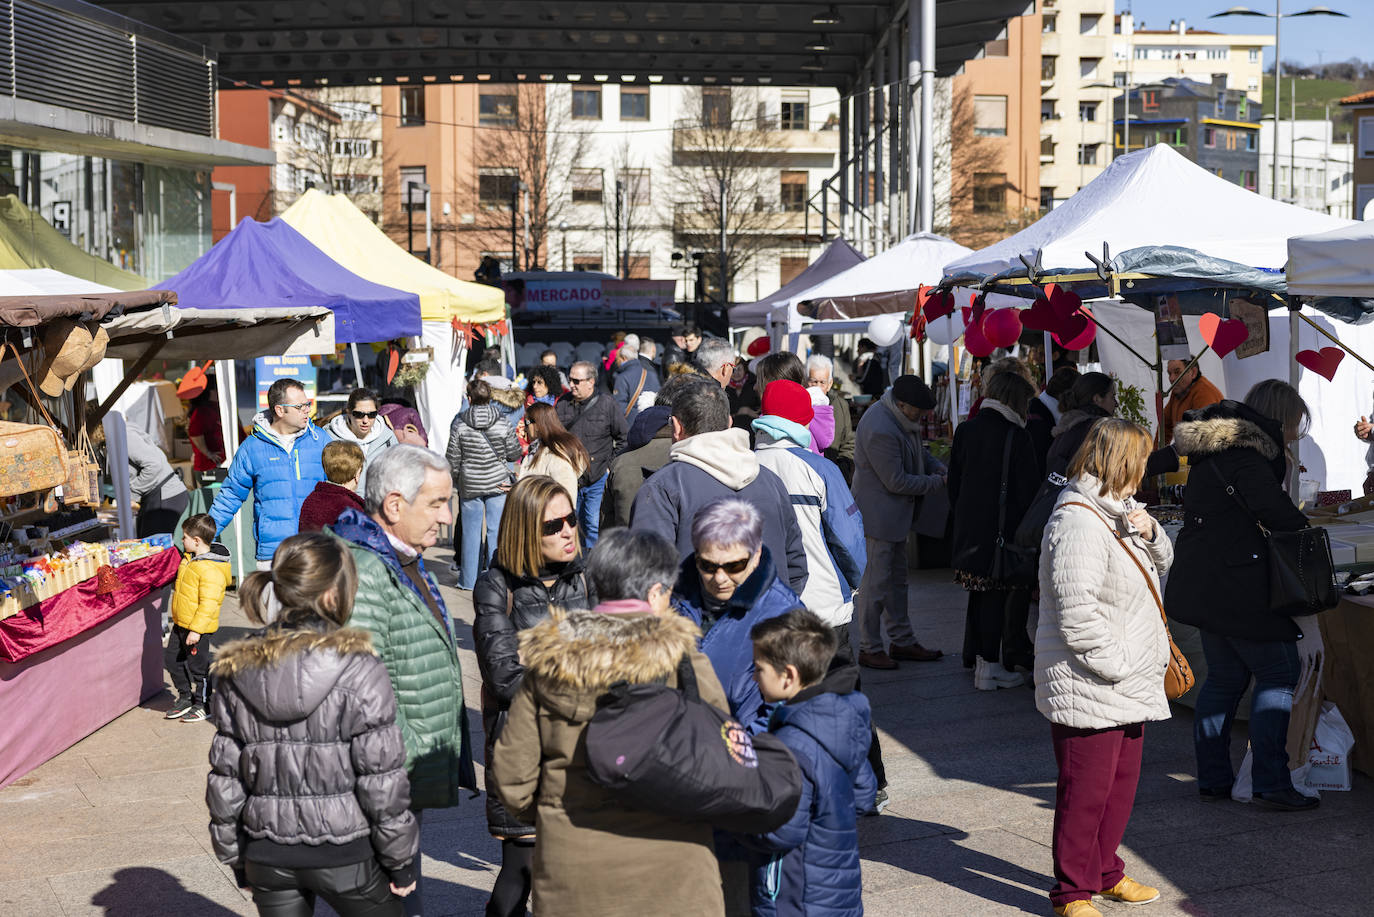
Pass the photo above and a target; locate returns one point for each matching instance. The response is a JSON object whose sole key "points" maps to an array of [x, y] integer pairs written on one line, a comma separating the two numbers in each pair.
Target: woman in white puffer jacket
{"points": [[1100, 656]]}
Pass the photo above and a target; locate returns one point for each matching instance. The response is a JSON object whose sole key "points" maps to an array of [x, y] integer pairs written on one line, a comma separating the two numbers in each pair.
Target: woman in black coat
{"points": [[1090, 398], [1220, 582], [995, 638], [538, 564]]}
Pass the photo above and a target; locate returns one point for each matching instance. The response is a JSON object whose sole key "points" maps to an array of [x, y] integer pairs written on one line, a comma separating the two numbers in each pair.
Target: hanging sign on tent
{"points": [[1256, 320], [1169, 330], [270, 369]]}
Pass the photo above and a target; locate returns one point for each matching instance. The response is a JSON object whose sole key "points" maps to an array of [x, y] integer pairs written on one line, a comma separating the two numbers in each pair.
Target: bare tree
{"points": [[720, 182], [347, 159], [629, 211], [984, 205], [534, 139]]}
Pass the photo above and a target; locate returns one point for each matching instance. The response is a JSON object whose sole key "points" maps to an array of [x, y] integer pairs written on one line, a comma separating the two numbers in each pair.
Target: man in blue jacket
{"points": [[280, 462]]}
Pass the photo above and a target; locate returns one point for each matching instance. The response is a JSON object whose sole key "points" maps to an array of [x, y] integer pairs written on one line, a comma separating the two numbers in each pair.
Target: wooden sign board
{"points": [[1256, 319]]}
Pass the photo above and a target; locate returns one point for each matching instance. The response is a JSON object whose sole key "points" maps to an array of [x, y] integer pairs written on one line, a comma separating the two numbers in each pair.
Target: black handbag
{"points": [[666, 750], [1031, 532], [1302, 575], [1012, 563]]}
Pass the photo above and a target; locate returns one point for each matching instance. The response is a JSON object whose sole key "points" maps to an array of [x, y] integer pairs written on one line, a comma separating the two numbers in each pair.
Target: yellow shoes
{"points": [[1078, 909], [1129, 891]]}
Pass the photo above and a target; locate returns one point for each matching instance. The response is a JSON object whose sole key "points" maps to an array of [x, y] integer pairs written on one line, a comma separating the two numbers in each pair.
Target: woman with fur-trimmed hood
{"points": [[596, 856], [307, 789], [1220, 582]]}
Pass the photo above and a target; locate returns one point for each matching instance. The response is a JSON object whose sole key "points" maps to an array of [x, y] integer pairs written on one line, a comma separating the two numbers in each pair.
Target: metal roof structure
{"points": [[352, 42]]}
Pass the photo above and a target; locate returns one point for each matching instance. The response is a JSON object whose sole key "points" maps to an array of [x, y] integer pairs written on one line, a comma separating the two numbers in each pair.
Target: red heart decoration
{"points": [[1063, 301], [1076, 332], [979, 304], [1040, 316], [976, 343], [1323, 362], [938, 304], [1223, 336]]}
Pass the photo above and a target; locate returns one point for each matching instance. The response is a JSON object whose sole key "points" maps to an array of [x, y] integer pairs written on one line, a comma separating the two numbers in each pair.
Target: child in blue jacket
{"points": [[812, 865]]}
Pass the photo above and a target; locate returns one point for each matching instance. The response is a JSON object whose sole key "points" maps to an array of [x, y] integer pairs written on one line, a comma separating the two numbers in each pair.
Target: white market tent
{"points": [[1154, 197], [839, 256], [918, 259], [1339, 262]]}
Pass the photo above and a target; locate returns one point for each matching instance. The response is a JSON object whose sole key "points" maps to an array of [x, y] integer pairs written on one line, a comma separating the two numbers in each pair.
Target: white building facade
{"points": [[1142, 55], [1315, 169], [1076, 90]]}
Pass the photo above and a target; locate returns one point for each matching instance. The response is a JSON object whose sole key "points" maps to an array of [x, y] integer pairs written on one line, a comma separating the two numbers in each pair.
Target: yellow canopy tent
{"points": [[343, 232], [29, 241]]}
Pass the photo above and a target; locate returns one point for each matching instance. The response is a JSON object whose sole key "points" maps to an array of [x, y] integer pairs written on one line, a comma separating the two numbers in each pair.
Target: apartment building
{"points": [[1215, 127], [1076, 89], [1315, 168], [1142, 55], [996, 158], [1361, 107], [611, 176]]}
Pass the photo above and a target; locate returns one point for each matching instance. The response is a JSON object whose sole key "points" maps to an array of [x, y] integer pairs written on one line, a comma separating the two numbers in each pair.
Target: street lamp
{"points": [[1278, 15]]}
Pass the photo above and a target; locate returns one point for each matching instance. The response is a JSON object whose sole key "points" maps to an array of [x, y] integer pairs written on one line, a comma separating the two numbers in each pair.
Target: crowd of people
{"points": [[619, 520]]}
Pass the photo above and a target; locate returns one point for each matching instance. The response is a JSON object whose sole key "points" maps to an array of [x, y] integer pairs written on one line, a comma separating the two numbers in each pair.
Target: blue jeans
{"points": [[589, 510], [1231, 662], [471, 514]]}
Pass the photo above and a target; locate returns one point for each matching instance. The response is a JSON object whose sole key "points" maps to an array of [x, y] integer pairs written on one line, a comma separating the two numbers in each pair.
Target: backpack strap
{"points": [[687, 678], [643, 377]]}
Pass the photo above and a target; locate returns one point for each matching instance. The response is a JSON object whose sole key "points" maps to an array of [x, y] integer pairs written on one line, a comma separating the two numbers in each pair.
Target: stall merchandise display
{"points": [[26, 581]]}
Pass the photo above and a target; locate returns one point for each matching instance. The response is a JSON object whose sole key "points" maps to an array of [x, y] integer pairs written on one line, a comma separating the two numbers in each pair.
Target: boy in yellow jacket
{"points": [[196, 597]]}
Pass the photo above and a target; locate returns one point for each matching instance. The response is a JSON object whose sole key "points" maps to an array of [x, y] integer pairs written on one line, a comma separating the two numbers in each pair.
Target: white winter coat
{"points": [[1100, 648]]}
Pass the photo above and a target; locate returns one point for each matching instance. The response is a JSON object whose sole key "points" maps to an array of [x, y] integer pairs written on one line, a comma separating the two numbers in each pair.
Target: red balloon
{"points": [[1077, 332], [1002, 327], [976, 343]]}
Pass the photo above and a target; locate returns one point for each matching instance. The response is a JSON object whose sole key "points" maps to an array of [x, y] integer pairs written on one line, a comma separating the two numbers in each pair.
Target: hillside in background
{"points": [[1313, 95]]}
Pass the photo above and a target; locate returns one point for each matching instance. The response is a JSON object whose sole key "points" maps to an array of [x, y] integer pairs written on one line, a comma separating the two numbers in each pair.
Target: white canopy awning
{"points": [[221, 334], [1335, 263]]}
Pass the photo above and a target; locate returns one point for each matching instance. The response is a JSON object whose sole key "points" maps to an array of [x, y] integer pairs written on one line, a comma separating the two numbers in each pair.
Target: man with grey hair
{"points": [[820, 375], [707, 461], [398, 602], [636, 381], [594, 418], [717, 358]]}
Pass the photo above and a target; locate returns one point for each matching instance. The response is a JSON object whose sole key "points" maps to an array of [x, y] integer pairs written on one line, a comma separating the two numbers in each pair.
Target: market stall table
{"points": [[78, 660], [1347, 630]]}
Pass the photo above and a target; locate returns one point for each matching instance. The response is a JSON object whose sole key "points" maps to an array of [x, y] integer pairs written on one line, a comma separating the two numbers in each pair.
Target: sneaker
{"points": [[880, 801], [197, 714], [1287, 800], [1129, 891], [180, 708], [876, 660], [913, 652], [1078, 909], [988, 676]]}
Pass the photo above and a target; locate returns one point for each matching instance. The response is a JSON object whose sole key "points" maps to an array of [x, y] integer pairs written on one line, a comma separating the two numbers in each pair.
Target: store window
{"points": [[792, 194], [497, 108], [587, 261], [989, 192], [990, 116], [587, 186], [496, 188], [634, 103], [586, 103], [412, 106]]}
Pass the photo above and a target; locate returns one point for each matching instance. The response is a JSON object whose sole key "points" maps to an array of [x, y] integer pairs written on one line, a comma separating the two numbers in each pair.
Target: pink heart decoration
{"points": [[1077, 331], [938, 304], [1002, 327], [1223, 336], [1323, 362], [1063, 301], [976, 343], [1040, 316]]}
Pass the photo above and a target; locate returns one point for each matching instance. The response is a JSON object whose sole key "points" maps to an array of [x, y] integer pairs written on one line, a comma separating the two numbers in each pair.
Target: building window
{"points": [[1087, 154], [1366, 139], [1047, 24], [1217, 53], [637, 265], [1283, 176], [586, 261], [1252, 84], [789, 267], [412, 106], [1119, 79], [355, 111], [1087, 111], [1046, 198], [281, 129], [1180, 137], [1046, 148], [586, 103], [990, 116], [793, 116], [353, 148], [634, 103], [496, 188], [1087, 67], [1047, 67], [1251, 141], [586, 186], [792, 194], [1254, 55], [412, 200], [285, 177], [1047, 110], [1142, 53], [989, 192], [636, 187], [496, 107], [1209, 137], [1088, 23], [715, 107]]}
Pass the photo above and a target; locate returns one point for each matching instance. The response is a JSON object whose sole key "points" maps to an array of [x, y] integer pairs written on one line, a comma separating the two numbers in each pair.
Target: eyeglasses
{"points": [[732, 567], [363, 415], [303, 406], [554, 526]]}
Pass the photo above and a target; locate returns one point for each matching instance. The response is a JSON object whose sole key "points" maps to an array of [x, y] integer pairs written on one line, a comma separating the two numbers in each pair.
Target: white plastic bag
{"points": [[1328, 763]]}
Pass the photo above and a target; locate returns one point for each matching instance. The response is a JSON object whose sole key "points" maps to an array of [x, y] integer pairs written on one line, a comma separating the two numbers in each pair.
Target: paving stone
{"points": [[103, 851], [151, 786], [191, 886], [29, 898], [119, 818]]}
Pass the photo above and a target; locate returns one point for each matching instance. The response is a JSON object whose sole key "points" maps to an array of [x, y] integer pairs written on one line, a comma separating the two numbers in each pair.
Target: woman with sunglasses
{"points": [[553, 450], [538, 564], [359, 424], [726, 586]]}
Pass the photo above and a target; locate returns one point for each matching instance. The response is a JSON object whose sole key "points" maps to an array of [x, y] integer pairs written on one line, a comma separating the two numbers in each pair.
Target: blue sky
{"points": [[1304, 39]]}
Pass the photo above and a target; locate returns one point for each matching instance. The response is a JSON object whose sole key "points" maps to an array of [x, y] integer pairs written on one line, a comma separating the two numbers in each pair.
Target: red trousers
{"points": [[1098, 772]]}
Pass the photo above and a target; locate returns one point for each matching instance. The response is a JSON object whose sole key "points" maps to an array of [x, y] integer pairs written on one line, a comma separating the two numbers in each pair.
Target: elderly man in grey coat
{"points": [[893, 471]]}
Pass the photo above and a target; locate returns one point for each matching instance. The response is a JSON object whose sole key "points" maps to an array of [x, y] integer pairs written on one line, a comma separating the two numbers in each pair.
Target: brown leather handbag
{"points": [[32, 456], [1178, 677]]}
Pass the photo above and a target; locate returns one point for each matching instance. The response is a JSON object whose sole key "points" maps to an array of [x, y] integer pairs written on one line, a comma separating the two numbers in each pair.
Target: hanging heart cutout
{"points": [[1222, 335], [938, 304], [1323, 362]]}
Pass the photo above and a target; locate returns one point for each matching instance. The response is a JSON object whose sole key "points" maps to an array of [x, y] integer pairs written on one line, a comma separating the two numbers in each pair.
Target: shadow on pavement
{"points": [[143, 890]]}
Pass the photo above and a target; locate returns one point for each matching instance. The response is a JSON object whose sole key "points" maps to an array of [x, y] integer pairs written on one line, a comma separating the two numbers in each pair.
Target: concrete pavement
{"points": [[116, 825]]}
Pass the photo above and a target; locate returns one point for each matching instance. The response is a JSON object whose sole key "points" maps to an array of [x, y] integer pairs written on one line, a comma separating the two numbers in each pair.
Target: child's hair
{"points": [[342, 461], [313, 579], [199, 526], [797, 638]]}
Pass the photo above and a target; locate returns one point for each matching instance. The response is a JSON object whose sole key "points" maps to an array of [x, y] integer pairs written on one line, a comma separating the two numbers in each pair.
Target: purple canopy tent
{"points": [[271, 265]]}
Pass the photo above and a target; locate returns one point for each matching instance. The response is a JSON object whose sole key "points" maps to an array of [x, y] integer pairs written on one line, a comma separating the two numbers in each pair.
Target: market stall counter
{"points": [[94, 647], [1347, 630]]}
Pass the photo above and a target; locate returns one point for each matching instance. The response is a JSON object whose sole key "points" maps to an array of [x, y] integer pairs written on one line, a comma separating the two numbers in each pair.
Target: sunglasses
{"points": [[732, 567], [574, 380], [363, 415], [554, 526]]}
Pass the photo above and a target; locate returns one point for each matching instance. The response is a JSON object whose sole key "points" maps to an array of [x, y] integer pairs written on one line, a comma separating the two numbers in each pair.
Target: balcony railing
{"points": [[763, 219]]}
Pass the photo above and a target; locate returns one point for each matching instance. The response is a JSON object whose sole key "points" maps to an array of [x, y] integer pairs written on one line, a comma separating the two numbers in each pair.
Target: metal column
{"points": [[843, 221], [879, 125], [861, 127], [927, 59], [894, 137]]}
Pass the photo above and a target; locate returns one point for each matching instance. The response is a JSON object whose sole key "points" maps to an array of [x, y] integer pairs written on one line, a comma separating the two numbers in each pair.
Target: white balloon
{"points": [[885, 330], [945, 330]]}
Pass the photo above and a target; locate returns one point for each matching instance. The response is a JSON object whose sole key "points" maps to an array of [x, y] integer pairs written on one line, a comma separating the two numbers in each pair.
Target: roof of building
{"points": [[1359, 98]]}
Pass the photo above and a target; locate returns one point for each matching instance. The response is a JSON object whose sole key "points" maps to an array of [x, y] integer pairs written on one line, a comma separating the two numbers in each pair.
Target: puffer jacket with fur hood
{"points": [[307, 753], [1221, 581], [1100, 648], [597, 857]]}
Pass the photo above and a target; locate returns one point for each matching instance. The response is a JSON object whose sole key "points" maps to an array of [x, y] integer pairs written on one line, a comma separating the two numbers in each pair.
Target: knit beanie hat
{"points": [[788, 400]]}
